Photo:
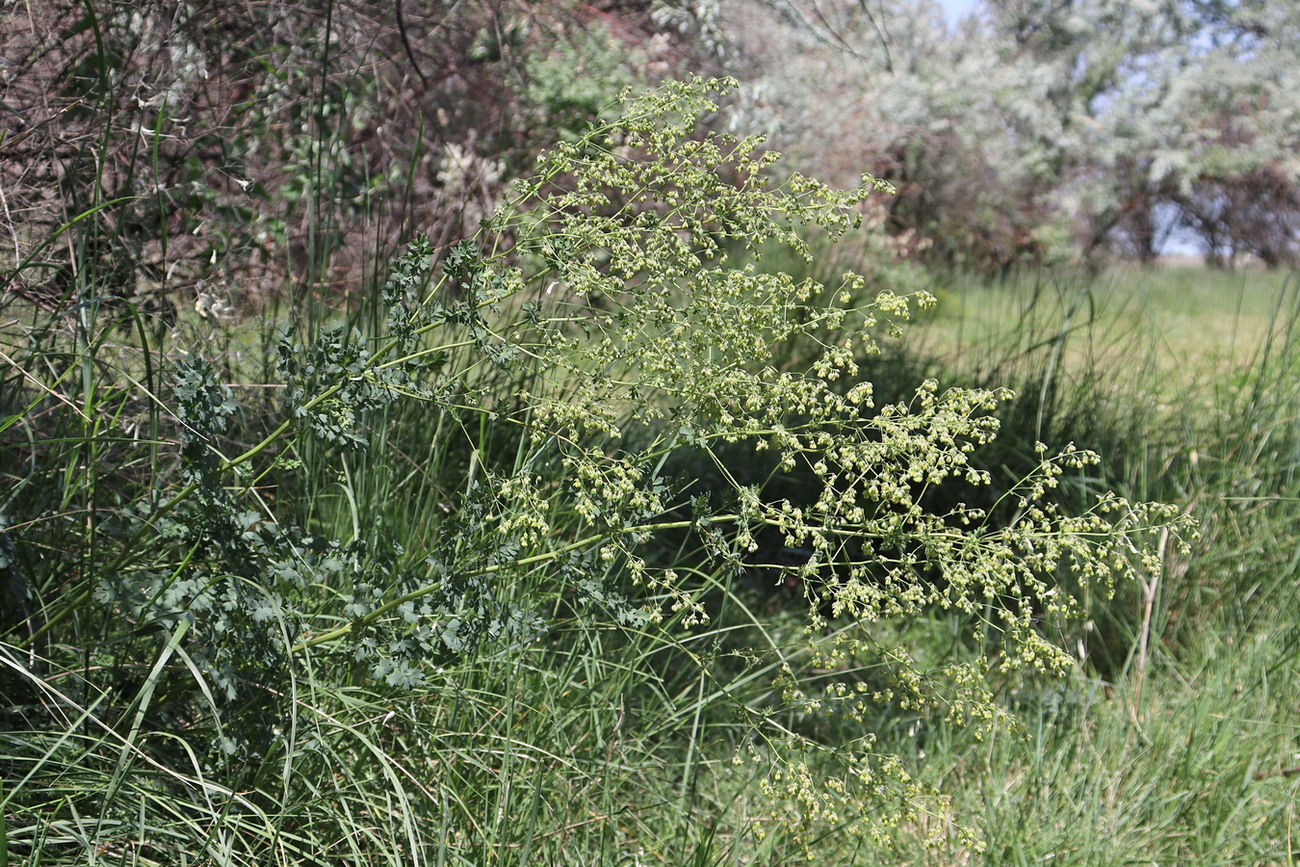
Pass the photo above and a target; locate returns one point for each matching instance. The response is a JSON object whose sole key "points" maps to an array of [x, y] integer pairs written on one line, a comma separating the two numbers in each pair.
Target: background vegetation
{"points": [[1045, 131], [364, 503]]}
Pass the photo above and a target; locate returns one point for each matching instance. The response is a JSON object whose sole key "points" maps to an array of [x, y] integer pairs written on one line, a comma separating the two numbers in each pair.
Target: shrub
{"points": [[469, 480]]}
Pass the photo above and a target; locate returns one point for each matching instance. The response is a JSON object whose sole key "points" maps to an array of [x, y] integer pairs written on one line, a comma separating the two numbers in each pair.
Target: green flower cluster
{"points": [[605, 297]]}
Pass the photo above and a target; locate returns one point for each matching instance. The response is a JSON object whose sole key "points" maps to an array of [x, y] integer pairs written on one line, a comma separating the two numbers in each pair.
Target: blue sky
{"points": [[955, 9]]}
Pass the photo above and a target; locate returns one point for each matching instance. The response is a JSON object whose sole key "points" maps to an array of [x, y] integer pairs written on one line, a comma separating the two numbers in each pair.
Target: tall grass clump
{"points": [[449, 597]]}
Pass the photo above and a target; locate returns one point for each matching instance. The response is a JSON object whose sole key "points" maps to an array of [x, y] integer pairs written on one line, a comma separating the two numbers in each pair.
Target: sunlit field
{"points": [[1176, 324]]}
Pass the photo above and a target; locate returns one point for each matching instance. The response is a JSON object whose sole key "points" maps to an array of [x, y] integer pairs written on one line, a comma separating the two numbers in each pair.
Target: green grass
{"points": [[594, 743], [1175, 325], [608, 745]]}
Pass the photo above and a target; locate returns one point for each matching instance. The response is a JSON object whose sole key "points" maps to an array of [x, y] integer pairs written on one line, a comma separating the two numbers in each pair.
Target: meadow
{"points": [[612, 536]]}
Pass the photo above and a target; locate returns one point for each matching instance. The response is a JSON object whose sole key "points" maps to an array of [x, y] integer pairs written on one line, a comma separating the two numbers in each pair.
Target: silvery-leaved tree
{"points": [[1044, 131], [1169, 113], [965, 125]]}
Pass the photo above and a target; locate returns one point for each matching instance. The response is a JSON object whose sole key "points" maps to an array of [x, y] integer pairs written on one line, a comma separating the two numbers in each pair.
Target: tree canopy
{"points": [[1047, 130]]}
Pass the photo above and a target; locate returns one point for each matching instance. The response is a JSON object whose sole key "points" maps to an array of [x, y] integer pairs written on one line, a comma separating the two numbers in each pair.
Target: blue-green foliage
{"points": [[249, 579]]}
